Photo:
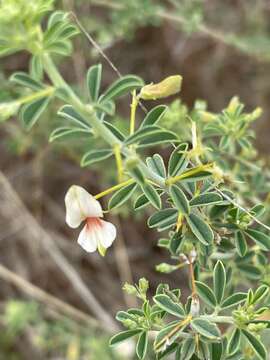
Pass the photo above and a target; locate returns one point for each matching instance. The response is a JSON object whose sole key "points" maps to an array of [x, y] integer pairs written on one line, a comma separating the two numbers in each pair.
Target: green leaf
{"points": [[205, 328], [167, 304], [163, 217], [206, 199], [65, 131], [166, 335], [36, 67], [60, 47], [251, 272], [240, 243], [121, 196], [123, 315], [24, 79], [178, 160], [236, 356], [234, 342], [60, 30], [188, 349], [56, 16], [154, 115], [69, 113], [256, 344], [138, 175], [179, 199], [141, 348], [150, 135], [31, 112], [260, 238], [233, 300], [206, 294], [219, 281], [200, 229], [107, 107], [69, 31], [141, 202], [114, 130], [156, 164], [203, 351], [216, 351], [260, 293], [158, 137], [54, 32], [121, 87], [191, 175], [93, 156], [93, 81], [124, 335], [152, 195], [141, 134], [170, 349], [175, 243]]}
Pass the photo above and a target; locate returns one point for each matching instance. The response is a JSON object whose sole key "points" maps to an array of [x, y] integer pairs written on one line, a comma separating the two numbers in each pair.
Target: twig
{"points": [[100, 51], [204, 29], [37, 232], [243, 209], [48, 299]]}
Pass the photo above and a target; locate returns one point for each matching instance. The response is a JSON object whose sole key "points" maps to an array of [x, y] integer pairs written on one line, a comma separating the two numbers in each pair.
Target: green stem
{"points": [[84, 110], [87, 111], [34, 96], [114, 188], [133, 112]]}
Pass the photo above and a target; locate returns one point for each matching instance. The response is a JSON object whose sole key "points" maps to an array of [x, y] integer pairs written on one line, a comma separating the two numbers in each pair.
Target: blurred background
{"points": [[58, 302]]}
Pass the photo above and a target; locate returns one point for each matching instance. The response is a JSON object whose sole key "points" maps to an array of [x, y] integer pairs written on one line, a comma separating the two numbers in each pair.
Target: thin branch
{"points": [[254, 218], [100, 51], [37, 232], [48, 299]]}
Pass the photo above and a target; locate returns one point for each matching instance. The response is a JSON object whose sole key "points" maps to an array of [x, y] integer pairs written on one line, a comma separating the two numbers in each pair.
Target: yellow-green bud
{"points": [[234, 102], [255, 114], [165, 268], [143, 285], [169, 86], [130, 289], [207, 116]]}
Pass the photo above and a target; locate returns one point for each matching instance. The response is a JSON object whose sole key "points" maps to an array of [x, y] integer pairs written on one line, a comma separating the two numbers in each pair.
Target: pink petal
{"points": [[98, 232]]}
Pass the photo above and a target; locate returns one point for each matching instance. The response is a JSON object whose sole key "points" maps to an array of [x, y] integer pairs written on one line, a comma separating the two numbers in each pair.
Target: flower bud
{"points": [[233, 104], [207, 116], [130, 289], [143, 285], [167, 87], [166, 268], [255, 114], [195, 306]]}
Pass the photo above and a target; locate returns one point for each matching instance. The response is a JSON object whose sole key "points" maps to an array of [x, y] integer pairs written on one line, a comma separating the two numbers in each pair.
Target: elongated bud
{"points": [[167, 87], [207, 116], [195, 306], [255, 114], [234, 102]]}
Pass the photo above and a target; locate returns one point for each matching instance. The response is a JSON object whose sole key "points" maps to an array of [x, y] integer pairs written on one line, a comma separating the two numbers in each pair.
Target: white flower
{"points": [[96, 233]]}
